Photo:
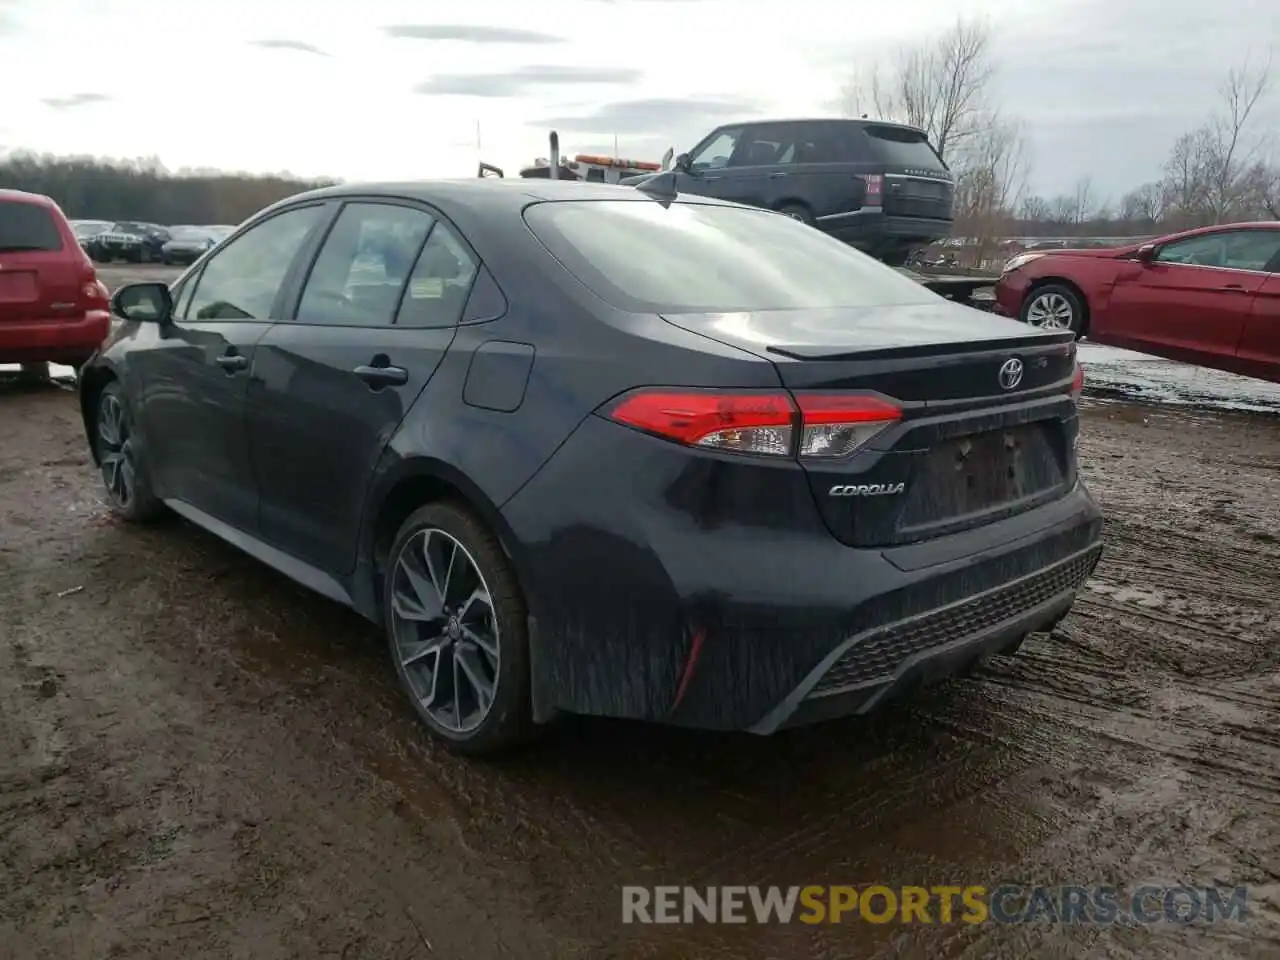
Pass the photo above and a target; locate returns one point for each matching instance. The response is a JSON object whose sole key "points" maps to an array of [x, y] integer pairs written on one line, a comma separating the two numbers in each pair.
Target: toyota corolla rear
{"points": [[52, 307], [821, 486]]}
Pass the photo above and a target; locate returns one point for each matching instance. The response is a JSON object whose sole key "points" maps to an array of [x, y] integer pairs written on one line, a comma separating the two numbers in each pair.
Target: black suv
{"points": [[876, 185], [131, 241]]}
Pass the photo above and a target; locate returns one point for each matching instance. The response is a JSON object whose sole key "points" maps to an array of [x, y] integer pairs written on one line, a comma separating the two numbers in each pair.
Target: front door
{"points": [[374, 319], [1191, 302], [194, 381]]}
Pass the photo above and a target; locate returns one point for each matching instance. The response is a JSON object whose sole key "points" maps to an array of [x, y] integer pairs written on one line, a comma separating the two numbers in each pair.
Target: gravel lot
{"points": [[200, 759]]}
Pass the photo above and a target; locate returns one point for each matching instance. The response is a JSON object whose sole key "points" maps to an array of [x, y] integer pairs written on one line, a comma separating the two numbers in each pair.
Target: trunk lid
{"points": [[972, 446], [916, 183]]}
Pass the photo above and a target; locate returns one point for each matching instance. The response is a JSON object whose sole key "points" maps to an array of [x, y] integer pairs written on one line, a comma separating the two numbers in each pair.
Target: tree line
{"points": [[1219, 172], [88, 188]]}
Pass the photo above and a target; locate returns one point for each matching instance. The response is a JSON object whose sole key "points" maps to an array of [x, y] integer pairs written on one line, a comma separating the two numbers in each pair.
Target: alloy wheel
{"points": [[116, 454], [444, 630], [1051, 311]]}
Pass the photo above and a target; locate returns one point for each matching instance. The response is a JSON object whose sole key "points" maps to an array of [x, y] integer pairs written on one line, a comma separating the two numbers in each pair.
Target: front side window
{"points": [[717, 151], [364, 263], [242, 280], [704, 258]]}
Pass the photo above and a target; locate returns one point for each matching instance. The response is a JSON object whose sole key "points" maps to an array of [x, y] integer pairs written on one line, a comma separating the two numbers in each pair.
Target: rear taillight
{"points": [[835, 425], [1077, 382], [768, 423], [875, 185]]}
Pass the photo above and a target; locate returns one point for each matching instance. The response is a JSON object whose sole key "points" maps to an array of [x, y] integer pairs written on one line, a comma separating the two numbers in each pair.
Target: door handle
{"points": [[709, 179], [1239, 287], [382, 376], [231, 362], [777, 175]]}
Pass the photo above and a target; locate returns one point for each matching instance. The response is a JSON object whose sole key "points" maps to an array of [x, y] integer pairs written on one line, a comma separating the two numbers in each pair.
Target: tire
{"points": [[129, 492], [1060, 307], [797, 211], [437, 529], [896, 258]]}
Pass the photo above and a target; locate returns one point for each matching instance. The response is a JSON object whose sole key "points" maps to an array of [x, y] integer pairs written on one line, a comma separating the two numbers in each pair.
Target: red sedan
{"points": [[1209, 296]]}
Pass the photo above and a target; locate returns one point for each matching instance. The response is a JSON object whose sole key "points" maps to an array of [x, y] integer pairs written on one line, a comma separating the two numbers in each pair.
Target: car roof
{"points": [[484, 197], [22, 196], [852, 121]]}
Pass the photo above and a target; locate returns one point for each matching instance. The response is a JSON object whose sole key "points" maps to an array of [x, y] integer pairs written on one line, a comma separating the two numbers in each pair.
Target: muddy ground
{"points": [[200, 759]]}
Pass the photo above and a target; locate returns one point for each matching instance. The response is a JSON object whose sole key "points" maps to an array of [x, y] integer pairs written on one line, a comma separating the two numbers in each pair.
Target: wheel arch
{"points": [[400, 491], [93, 380], [1041, 282]]}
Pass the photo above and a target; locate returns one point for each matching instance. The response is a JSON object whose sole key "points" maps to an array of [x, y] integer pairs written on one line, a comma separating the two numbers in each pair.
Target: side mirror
{"points": [[682, 163], [1147, 253], [150, 302]]}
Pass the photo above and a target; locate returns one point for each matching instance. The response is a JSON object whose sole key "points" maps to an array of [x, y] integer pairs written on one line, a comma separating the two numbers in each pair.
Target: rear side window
{"points": [[898, 146], [702, 258], [27, 226]]}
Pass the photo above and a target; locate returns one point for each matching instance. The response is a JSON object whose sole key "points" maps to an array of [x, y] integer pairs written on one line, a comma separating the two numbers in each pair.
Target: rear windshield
{"points": [[899, 147], [27, 226], [124, 226], [700, 258]]}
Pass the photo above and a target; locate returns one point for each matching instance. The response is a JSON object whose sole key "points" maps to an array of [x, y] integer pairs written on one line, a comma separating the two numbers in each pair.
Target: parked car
{"points": [[86, 230], [1209, 296], [186, 245], [131, 241], [878, 186], [52, 307], [577, 448]]}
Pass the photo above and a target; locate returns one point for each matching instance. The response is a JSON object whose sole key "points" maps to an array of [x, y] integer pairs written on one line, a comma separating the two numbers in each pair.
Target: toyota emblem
{"points": [[1011, 373]]}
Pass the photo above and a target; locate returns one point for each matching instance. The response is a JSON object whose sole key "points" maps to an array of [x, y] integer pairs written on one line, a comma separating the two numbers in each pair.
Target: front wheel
{"points": [[1054, 307], [457, 629], [124, 472]]}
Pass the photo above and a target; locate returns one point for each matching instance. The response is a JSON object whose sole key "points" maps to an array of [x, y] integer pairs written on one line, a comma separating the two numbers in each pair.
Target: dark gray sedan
{"points": [[189, 244]]}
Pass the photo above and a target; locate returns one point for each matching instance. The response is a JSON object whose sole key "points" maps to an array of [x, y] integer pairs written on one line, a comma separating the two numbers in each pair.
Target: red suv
{"points": [[1209, 296], [52, 306]]}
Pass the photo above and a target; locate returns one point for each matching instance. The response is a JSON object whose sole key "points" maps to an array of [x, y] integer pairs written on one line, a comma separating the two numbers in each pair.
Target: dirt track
{"points": [[199, 759]]}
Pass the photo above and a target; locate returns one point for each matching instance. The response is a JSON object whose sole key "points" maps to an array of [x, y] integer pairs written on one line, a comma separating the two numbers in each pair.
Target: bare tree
{"points": [[940, 85], [1144, 205], [1217, 173], [1035, 209], [990, 186]]}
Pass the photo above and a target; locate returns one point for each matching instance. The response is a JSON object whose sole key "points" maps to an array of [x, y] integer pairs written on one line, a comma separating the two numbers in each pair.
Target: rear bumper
{"points": [[700, 591], [872, 229], [54, 339]]}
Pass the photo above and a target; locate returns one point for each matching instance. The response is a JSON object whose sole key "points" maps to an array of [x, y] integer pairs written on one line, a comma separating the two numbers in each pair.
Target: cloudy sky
{"points": [[390, 89]]}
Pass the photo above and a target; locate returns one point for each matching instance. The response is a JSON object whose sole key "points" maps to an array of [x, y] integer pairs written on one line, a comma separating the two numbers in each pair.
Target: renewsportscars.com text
{"points": [[939, 904]]}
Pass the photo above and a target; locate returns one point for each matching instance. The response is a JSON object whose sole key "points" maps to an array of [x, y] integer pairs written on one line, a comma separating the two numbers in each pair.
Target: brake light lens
{"points": [[1077, 382], [762, 423], [768, 423], [836, 425], [875, 185]]}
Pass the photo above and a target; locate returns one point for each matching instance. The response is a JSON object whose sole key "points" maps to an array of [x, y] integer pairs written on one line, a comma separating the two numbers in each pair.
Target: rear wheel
{"points": [[456, 625], [124, 472], [1054, 307], [797, 211]]}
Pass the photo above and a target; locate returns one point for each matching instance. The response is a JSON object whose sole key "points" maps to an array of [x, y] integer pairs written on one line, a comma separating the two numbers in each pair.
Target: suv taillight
{"points": [[765, 423], [875, 185]]}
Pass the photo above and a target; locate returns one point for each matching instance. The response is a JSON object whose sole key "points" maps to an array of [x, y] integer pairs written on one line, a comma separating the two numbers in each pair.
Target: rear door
{"points": [[196, 374], [375, 315], [41, 277], [1193, 300]]}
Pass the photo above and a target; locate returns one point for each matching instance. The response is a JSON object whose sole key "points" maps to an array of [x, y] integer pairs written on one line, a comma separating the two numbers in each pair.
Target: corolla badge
{"points": [[865, 489], [1011, 373]]}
